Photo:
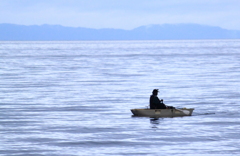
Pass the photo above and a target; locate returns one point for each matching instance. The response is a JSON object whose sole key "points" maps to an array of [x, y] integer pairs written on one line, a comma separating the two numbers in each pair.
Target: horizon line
{"points": [[149, 25]]}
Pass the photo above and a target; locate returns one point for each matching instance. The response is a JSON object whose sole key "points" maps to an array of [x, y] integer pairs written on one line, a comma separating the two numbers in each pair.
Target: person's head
{"points": [[155, 92]]}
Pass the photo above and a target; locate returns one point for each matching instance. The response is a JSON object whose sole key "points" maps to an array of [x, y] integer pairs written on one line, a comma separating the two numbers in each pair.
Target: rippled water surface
{"points": [[74, 98]]}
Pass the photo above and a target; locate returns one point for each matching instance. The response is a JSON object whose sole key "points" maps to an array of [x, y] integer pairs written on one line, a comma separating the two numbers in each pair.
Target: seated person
{"points": [[155, 103]]}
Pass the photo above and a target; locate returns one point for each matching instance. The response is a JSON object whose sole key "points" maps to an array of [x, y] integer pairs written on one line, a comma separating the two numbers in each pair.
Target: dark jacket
{"points": [[155, 103]]}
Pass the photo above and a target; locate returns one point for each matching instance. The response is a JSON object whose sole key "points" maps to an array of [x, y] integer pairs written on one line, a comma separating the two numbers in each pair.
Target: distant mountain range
{"points": [[12, 32]]}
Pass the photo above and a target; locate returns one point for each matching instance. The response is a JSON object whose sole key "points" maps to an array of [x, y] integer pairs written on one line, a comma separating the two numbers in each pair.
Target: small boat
{"points": [[163, 112]]}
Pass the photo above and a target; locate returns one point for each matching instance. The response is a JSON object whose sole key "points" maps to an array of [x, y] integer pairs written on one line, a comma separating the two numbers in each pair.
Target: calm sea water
{"points": [[74, 98]]}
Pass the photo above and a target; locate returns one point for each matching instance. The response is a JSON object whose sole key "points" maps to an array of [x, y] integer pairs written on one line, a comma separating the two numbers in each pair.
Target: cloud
{"points": [[126, 14]]}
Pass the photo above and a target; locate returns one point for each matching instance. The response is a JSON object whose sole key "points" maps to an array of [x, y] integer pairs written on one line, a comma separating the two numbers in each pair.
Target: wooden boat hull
{"points": [[163, 112]]}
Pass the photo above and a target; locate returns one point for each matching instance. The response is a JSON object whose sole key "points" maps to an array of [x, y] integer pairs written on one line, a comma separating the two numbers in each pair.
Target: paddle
{"points": [[184, 111]]}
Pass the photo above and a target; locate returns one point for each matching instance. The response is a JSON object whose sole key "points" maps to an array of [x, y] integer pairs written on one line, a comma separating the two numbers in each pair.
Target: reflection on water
{"points": [[155, 122]]}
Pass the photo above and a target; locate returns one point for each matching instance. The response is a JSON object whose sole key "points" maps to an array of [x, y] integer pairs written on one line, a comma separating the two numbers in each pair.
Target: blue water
{"points": [[74, 98]]}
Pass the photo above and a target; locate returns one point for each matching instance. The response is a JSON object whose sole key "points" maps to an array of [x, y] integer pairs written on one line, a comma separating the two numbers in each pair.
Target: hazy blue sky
{"points": [[124, 14]]}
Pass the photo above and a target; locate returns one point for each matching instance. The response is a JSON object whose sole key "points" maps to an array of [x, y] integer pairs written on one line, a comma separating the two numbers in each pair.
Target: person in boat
{"points": [[156, 103]]}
